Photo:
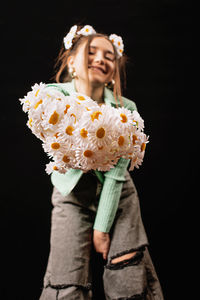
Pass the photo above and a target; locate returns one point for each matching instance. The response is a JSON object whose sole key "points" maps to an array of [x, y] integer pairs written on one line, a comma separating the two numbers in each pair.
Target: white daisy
{"points": [[136, 160], [124, 120], [86, 157], [69, 37], [86, 30], [141, 139], [51, 94], [122, 143], [118, 43], [86, 123], [139, 142], [50, 167], [52, 115], [106, 159], [66, 128], [137, 120], [66, 158], [101, 133], [36, 128], [79, 105], [53, 145], [84, 101], [81, 136], [68, 40], [73, 29], [32, 97]]}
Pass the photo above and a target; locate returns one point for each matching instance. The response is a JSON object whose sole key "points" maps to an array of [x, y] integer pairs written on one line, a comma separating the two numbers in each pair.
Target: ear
{"points": [[70, 61]]}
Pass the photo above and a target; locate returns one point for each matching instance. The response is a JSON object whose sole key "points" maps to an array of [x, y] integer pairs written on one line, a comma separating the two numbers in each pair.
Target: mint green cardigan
{"points": [[112, 180]]}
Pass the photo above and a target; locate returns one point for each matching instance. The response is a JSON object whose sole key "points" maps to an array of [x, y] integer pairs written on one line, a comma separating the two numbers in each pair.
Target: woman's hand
{"points": [[101, 242]]}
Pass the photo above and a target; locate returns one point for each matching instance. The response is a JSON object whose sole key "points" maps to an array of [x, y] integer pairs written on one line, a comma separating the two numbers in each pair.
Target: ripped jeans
{"points": [[69, 271]]}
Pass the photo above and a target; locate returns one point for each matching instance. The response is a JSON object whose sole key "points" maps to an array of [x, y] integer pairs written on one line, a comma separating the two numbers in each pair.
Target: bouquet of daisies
{"points": [[78, 133]]}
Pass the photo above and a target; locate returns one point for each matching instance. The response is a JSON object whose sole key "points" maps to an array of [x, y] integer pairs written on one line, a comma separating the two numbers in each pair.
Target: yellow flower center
{"points": [[124, 118], [55, 168], [134, 139], [87, 30], [135, 122], [38, 103], [37, 93], [69, 130], [55, 146], [65, 159], [100, 133], [73, 115], [66, 109], [30, 122], [83, 133], [143, 146], [54, 118], [88, 153], [81, 98], [95, 115], [121, 141]]}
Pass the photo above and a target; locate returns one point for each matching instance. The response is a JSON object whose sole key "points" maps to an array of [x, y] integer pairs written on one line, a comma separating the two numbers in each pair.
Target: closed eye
{"points": [[110, 58], [109, 55]]}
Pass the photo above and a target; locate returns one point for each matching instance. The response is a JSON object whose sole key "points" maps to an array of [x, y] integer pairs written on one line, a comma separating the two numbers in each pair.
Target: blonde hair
{"points": [[61, 66]]}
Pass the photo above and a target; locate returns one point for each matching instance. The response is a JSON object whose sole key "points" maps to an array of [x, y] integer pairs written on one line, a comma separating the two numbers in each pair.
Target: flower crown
{"points": [[88, 30]]}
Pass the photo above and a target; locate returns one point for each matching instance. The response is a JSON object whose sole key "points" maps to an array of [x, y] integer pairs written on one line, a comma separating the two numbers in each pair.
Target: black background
{"points": [[157, 39]]}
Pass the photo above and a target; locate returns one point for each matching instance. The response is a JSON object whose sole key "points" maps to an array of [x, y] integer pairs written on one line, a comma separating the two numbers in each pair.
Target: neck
{"points": [[95, 91]]}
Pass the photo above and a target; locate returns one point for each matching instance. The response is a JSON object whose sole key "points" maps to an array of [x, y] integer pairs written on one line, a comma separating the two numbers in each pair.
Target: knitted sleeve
{"points": [[111, 191], [110, 195]]}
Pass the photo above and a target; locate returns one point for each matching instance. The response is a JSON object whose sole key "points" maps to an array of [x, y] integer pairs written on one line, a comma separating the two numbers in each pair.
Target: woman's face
{"points": [[101, 61]]}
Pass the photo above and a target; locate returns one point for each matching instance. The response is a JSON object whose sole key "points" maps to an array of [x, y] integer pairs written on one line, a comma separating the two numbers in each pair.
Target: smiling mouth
{"points": [[97, 69]]}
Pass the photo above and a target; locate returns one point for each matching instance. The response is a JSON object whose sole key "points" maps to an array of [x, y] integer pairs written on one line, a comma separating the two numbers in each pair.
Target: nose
{"points": [[99, 58]]}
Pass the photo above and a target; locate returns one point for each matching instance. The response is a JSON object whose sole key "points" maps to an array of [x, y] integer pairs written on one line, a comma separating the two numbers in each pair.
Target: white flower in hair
{"points": [[69, 37], [118, 43], [73, 29], [68, 41], [87, 30]]}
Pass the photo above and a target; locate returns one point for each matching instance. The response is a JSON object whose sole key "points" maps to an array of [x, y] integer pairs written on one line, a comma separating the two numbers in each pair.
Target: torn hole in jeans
{"points": [[133, 260], [64, 286]]}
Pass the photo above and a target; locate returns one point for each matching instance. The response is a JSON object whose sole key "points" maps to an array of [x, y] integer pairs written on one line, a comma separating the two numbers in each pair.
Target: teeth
{"points": [[97, 69]]}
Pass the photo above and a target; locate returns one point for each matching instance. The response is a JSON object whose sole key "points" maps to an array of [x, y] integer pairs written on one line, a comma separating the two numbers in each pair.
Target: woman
{"points": [[96, 209]]}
